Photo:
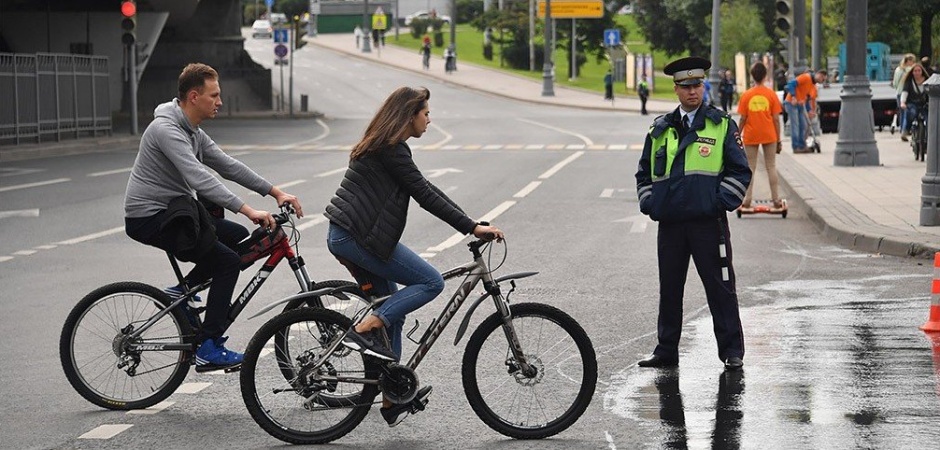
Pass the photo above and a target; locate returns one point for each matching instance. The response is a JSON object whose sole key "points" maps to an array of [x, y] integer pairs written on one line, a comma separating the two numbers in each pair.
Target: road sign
{"points": [[612, 37], [280, 50], [280, 36], [574, 9], [379, 21]]}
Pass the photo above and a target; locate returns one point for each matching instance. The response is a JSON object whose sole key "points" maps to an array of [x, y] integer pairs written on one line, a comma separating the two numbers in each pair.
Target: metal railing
{"points": [[50, 96]]}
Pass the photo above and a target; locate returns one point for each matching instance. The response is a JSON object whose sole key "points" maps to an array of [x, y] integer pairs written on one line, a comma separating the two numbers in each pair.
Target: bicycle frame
{"points": [[281, 251], [475, 271]]}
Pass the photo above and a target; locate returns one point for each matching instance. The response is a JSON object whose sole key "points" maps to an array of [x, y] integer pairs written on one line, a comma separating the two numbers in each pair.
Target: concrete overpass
{"points": [[170, 34]]}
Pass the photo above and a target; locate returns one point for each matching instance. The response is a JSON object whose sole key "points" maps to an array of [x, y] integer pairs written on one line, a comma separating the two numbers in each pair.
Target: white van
{"points": [[262, 28]]}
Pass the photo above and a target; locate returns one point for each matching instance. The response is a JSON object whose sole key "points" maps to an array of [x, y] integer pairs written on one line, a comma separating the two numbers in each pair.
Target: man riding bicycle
{"points": [[161, 210]]}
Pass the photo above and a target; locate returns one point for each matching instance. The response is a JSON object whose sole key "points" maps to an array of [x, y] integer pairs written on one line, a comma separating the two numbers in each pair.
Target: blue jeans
{"points": [[797, 114], [910, 116], [902, 116], [422, 282]]}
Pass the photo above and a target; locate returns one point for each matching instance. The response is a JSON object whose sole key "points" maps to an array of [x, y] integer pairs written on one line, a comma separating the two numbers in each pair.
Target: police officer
{"points": [[692, 171]]}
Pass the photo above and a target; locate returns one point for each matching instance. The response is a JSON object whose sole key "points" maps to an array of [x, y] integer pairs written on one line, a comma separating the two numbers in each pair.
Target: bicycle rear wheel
{"points": [[304, 408], [538, 405], [93, 349]]}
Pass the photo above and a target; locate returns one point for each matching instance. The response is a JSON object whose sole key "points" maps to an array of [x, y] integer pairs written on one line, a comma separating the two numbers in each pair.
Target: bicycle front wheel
{"points": [[94, 349], [311, 406], [539, 404]]}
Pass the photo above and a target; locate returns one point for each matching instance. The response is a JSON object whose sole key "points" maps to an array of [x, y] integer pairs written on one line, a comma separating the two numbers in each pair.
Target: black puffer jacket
{"points": [[372, 200]]}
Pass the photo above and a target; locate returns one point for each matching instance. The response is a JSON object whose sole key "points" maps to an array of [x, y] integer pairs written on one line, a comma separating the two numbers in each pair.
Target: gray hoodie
{"points": [[173, 160]]}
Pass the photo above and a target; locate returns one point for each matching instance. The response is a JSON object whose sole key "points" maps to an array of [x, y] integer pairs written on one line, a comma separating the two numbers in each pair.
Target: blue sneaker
{"points": [[212, 355]]}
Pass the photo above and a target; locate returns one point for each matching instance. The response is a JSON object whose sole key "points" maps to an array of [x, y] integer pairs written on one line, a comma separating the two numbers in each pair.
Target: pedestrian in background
{"points": [[726, 90], [608, 86], [358, 33], [643, 90], [898, 84], [426, 53], [450, 59], [760, 110], [691, 172], [802, 106]]}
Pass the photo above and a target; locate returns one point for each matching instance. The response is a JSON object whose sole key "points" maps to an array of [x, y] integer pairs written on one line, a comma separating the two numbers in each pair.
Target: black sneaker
{"points": [[371, 343], [396, 413]]}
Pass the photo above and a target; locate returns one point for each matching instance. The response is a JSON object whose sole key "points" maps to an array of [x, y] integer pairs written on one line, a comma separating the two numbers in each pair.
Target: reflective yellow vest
{"points": [[704, 156]]}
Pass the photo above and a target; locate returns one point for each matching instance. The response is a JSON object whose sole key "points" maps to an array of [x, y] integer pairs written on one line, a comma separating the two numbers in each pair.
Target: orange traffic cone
{"points": [[933, 322]]}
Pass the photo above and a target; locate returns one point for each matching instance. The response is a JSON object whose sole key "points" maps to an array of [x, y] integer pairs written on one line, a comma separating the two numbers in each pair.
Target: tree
{"points": [[675, 26], [741, 31], [589, 35]]}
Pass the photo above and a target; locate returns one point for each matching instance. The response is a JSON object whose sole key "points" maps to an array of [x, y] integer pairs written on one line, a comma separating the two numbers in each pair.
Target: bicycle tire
{"points": [[88, 347], [345, 307], [574, 383], [277, 405]]}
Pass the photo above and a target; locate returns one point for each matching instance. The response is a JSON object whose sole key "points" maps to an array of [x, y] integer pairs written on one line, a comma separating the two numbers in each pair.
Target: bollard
{"points": [[930, 183], [303, 102], [933, 321]]}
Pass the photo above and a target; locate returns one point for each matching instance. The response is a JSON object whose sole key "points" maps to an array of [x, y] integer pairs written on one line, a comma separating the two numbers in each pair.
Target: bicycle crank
{"points": [[399, 384]]}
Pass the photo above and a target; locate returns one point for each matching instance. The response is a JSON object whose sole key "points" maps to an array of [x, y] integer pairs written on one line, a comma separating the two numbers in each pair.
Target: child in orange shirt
{"points": [[760, 111]]}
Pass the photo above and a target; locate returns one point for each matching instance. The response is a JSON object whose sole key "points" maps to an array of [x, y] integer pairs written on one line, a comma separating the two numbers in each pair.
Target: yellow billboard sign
{"points": [[574, 9]]}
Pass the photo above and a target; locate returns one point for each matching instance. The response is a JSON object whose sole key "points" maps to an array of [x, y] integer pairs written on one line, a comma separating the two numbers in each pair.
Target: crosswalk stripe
{"points": [[106, 431]]}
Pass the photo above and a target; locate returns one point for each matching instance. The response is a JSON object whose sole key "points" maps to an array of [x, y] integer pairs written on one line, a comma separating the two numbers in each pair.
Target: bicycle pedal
{"points": [[231, 369]]}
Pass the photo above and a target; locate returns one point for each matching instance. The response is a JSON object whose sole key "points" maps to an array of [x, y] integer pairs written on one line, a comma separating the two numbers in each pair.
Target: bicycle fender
{"points": [[473, 306], [302, 295]]}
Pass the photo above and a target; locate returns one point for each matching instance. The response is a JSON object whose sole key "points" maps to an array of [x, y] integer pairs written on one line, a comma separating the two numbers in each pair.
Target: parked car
{"points": [[262, 29], [424, 15]]}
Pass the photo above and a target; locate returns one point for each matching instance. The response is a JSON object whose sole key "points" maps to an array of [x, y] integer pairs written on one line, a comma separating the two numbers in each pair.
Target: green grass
{"points": [[591, 77]]}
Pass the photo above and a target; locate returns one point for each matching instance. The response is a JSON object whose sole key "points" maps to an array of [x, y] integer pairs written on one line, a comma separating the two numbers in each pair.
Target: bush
{"points": [[418, 28], [517, 56]]}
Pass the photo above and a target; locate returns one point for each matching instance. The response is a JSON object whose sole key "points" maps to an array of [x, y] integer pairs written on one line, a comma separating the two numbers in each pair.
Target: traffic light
{"points": [[129, 23], [784, 20], [300, 30]]}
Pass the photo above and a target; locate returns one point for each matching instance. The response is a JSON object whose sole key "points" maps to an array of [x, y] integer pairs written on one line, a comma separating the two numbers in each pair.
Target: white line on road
{"points": [[5, 258], [191, 388], [36, 184], [447, 137], [312, 222], [331, 172], [587, 140], [89, 237], [527, 190], [291, 183], [457, 237], [106, 431], [110, 172], [560, 165], [153, 409], [20, 213]]}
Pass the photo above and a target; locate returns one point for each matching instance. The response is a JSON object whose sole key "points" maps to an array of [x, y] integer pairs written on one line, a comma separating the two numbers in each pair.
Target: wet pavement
{"points": [[830, 364]]}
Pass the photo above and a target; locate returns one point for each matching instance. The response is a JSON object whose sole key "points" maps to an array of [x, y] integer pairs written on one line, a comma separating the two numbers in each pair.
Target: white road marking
{"points": [[457, 237], [24, 252], [560, 165], [617, 147], [265, 352], [427, 255], [312, 222], [106, 431], [110, 172], [291, 183], [5, 258], [20, 213], [331, 172], [609, 192], [527, 190], [89, 237], [447, 137], [434, 173], [640, 223], [192, 388], [153, 409], [36, 184], [587, 140]]}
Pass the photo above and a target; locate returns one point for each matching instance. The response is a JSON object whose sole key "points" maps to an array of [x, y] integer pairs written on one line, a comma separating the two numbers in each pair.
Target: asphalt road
{"points": [[834, 358]]}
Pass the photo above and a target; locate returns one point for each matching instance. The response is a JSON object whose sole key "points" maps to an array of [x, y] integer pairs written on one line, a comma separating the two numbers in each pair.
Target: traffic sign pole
{"points": [[290, 95]]}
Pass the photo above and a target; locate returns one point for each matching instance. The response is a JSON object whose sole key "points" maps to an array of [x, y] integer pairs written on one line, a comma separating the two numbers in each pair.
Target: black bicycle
{"points": [[129, 345], [919, 133], [529, 370]]}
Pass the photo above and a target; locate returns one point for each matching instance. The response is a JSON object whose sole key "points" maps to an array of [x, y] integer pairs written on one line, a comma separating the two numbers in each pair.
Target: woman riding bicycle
{"points": [[914, 96], [367, 219]]}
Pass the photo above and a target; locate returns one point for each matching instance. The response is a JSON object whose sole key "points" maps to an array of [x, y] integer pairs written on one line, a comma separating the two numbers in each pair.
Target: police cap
{"points": [[688, 71]]}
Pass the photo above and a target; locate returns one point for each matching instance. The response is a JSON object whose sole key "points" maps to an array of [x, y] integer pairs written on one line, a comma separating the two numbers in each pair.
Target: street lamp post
{"points": [[930, 183], [548, 89], [714, 74], [856, 144]]}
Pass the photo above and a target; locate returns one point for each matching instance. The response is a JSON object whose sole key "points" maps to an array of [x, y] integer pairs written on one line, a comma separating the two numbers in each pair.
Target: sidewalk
{"points": [[870, 209]]}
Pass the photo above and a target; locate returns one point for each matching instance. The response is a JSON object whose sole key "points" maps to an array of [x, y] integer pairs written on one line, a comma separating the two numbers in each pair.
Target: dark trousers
{"points": [[221, 263], [699, 239], [643, 105]]}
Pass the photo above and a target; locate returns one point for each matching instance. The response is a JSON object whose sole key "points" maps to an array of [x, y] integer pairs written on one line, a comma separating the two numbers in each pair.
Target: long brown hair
{"points": [[389, 126]]}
